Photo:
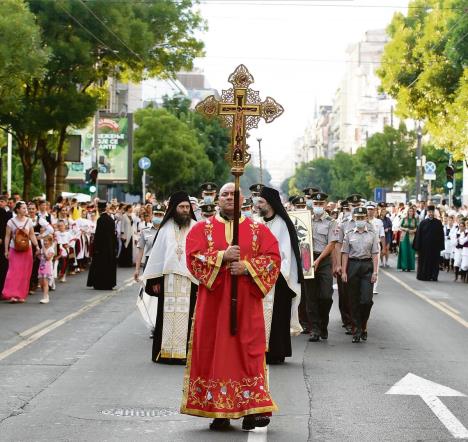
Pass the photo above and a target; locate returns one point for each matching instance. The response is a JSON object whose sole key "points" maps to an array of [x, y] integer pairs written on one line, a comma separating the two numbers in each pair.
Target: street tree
{"points": [[89, 42], [424, 67], [178, 160], [22, 57], [211, 134], [252, 176]]}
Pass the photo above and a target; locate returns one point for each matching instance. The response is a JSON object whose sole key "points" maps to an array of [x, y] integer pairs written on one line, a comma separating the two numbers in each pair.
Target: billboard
{"points": [[114, 139]]}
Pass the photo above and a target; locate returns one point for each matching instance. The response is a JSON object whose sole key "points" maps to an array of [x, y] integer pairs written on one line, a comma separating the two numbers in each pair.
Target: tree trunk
{"points": [[60, 171], [50, 164]]}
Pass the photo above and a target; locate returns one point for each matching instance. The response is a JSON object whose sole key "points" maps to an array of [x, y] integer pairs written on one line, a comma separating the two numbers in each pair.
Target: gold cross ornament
{"points": [[240, 109]]}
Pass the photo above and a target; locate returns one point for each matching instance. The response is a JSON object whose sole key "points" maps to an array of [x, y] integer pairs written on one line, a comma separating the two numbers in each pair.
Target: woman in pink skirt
{"points": [[16, 286]]}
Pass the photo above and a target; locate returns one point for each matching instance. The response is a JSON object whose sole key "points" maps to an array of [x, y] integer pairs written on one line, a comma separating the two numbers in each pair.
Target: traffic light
{"points": [[449, 172], [91, 179]]}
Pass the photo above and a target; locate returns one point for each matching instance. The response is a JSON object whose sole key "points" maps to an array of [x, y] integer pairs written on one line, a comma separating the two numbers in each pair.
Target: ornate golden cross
{"points": [[241, 109]]}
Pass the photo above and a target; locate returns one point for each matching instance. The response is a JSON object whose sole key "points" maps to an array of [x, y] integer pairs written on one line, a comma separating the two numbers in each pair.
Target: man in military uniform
{"points": [[377, 223], [319, 291], [308, 192], [208, 210], [360, 268], [208, 193], [246, 208]]}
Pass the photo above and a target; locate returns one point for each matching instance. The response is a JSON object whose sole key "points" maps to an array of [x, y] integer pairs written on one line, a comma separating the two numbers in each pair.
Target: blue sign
{"points": [[379, 194], [430, 167], [144, 163]]}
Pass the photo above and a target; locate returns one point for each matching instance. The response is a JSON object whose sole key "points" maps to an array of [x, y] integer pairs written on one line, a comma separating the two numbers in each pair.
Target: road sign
{"points": [[412, 385], [144, 163], [379, 194], [430, 167], [430, 176]]}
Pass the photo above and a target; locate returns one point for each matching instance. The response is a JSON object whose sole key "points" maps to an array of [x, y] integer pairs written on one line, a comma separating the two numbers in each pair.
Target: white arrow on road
{"points": [[412, 385]]}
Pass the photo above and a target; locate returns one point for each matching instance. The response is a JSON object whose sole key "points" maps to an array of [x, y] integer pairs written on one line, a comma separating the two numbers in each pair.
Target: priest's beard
{"points": [[263, 212], [182, 220]]}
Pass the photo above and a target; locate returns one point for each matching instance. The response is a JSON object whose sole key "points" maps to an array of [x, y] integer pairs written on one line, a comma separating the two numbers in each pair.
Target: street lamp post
{"points": [[260, 159], [418, 164]]}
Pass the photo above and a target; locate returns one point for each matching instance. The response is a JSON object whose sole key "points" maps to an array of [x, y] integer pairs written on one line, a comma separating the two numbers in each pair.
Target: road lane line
{"points": [[435, 304], [37, 327], [449, 307], [34, 337]]}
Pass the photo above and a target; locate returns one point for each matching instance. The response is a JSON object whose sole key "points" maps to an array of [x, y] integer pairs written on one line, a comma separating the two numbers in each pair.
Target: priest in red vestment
{"points": [[226, 375]]}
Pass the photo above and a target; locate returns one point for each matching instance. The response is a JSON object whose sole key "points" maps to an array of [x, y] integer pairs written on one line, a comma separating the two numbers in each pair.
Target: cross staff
{"points": [[241, 109]]}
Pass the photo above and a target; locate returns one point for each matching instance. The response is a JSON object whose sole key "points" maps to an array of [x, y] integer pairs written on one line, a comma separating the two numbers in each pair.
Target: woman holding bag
{"points": [[18, 238], [406, 255]]}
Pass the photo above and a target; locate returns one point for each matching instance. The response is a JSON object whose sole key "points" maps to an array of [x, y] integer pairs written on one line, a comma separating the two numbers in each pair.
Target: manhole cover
{"points": [[140, 412]]}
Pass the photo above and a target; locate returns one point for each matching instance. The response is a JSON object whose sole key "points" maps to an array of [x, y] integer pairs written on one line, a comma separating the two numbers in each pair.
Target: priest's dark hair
{"points": [[174, 200], [273, 198]]}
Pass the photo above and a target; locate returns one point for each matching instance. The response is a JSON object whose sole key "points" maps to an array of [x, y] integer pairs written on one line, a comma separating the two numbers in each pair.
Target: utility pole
{"points": [[9, 161], [418, 164], [260, 159], [95, 156]]}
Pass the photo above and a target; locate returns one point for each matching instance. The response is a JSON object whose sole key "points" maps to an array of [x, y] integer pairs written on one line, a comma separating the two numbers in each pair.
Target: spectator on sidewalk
{"points": [[20, 259]]}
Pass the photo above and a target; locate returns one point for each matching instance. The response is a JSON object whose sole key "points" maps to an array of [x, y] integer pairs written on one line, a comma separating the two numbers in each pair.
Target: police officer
{"points": [[319, 290], [145, 243], [308, 192], [246, 208], [208, 193], [360, 268], [255, 190]]}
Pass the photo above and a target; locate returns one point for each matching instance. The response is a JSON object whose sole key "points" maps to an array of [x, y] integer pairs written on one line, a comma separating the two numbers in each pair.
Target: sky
{"points": [[296, 51]]}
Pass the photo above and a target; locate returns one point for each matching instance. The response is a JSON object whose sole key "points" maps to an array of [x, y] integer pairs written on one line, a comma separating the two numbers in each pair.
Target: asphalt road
{"points": [[79, 369]]}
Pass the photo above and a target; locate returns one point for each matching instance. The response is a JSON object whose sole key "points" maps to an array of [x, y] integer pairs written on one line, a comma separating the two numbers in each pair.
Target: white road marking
{"points": [[449, 307], [34, 337], [435, 304], [412, 385], [37, 327]]}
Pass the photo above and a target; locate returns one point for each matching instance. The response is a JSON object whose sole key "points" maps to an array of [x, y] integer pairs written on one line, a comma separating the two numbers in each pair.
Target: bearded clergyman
{"points": [[167, 277]]}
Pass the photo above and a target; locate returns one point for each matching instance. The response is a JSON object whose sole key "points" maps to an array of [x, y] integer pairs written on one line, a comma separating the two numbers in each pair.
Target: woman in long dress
{"points": [[406, 255], [20, 263]]}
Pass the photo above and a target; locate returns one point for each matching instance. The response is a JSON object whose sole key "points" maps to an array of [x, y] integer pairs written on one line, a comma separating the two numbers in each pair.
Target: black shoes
{"points": [[324, 334], [349, 330], [364, 335], [314, 337], [252, 421], [356, 339], [220, 424]]}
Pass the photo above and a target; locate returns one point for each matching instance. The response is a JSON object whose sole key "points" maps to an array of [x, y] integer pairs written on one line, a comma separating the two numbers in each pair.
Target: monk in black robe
{"points": [[103, 270], [429, 242], [289, 283]]}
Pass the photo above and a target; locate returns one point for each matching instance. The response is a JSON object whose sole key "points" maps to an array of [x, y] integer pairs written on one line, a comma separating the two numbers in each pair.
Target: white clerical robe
{"points": [[289, 271], [168, 259]]}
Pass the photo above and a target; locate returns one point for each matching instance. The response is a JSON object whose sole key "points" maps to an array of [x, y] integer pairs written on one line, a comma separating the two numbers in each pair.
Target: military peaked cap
{"points": [[298, 200], [319, 196], [159, 208], [355, 198], [208, 208], [256, 187], [360, 211], [382, 204], [310, 190], [344, 204], [209, 187], [247, 203]]}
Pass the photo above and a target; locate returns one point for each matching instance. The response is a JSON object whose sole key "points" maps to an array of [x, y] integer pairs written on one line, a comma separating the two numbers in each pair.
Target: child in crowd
{"points": [[45, 272]]}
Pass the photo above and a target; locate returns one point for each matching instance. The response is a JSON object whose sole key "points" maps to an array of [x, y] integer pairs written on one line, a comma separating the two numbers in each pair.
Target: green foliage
{"points": [[212, 136], [178, 160], [22, 58], [88, 42], [424, 68], [386, 158]]}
